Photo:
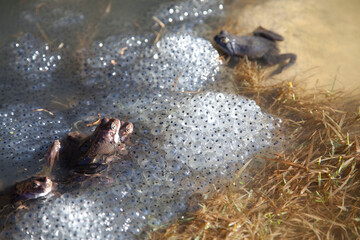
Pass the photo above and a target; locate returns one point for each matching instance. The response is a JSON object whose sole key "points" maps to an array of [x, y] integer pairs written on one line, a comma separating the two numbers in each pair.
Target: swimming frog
{"points": [[260, 46]]}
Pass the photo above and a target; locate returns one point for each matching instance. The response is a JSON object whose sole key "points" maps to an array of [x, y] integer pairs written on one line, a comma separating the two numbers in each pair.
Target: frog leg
{"points": [[273, 59], [83, 178], [76, 137], [90, 168], [262, 32], [121, 148], [77, 140], [51, 155], [105, 179]]}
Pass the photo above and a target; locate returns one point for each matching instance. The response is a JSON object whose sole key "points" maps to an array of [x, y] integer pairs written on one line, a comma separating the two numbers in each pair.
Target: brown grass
{"points": [[310, 191]]}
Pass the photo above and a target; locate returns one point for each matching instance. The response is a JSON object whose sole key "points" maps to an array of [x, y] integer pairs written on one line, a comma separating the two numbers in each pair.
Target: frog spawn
{"points": [[203, 137], [25, 136], [30, 69], [188, 10], [174, 63], [215, 134], [113, 57], [153, 183], [177, 139]]}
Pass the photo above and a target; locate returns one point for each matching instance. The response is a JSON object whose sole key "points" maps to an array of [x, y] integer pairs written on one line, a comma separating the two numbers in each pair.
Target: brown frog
{"points": [[83, 154], [31, 188], [91, 154], [14, 197], [34, 187]]}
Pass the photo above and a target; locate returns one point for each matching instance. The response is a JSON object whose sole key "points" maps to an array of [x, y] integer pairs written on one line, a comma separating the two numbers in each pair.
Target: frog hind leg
{"points": [[277, 59], [76, 139], [90, 168], [262, 32], [50, 157]]}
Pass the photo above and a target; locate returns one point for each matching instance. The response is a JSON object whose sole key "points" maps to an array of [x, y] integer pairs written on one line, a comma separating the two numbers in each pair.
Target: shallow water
{"points": [[323, 33]]}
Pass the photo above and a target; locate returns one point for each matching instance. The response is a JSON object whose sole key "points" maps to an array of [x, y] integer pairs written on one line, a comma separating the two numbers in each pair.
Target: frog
{"points": [[31, 188], [36, 186], [261, 45], [90, 154], [15, 197], [81, 153]]}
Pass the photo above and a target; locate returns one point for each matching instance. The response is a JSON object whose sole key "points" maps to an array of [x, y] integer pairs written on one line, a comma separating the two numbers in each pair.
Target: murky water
{"points": [[323, 33]]}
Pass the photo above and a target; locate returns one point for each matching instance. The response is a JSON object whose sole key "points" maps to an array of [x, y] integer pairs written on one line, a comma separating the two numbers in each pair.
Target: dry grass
{"points": [[311, 191]]}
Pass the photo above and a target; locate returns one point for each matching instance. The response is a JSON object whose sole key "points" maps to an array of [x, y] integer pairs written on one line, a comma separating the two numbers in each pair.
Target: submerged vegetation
{"points": [[309, 191]]}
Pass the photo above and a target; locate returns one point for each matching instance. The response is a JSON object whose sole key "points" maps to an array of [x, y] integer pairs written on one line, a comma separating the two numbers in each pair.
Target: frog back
{"points": [[253, 46]]}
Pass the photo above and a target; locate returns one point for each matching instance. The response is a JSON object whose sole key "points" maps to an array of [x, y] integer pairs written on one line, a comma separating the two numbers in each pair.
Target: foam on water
{"points": [[185, 141]]}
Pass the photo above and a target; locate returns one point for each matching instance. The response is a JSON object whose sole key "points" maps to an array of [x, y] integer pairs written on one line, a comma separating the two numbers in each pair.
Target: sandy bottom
{"points": [[324, 34]]}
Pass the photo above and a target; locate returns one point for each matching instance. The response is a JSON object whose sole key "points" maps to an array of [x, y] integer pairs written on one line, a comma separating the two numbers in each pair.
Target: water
{"points": [[324, 34]]}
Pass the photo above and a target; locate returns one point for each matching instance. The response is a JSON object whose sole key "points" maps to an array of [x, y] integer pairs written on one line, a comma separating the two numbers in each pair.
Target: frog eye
{"points": [[35, 185], [113, 126], [225, 40]]}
